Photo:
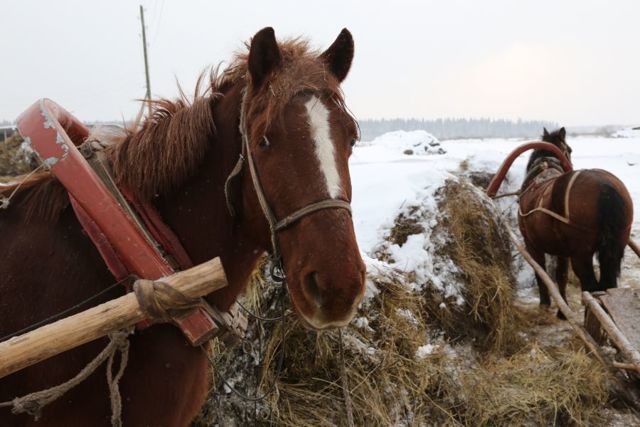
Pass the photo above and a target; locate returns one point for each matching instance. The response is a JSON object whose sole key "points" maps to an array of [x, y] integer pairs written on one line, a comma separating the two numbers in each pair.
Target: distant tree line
{"points": [[451, 128]]}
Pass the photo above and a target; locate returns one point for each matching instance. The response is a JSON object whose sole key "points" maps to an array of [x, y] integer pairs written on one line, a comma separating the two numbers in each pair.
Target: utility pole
{"points": [[146, 60]]}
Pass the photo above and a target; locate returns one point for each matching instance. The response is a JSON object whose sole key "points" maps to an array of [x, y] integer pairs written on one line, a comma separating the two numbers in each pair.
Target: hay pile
{"points": [[420, 351], [15, 159]]}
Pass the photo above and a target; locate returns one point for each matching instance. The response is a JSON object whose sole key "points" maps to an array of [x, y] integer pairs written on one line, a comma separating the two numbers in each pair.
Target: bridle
{"points": [[275, 225]]}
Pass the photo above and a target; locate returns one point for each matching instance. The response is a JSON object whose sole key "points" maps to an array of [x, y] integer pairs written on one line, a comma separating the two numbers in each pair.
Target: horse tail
{"points": [[612, 237]]}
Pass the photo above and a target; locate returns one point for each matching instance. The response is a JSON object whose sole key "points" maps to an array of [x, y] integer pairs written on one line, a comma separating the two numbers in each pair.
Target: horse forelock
{"points": [[301, 71]]}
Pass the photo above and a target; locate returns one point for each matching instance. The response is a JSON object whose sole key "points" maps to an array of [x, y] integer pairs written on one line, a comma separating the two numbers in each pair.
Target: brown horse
{"points": [[573, 216], [285, 100]]}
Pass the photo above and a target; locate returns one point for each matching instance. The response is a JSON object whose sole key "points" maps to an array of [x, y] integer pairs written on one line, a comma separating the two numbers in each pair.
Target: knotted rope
{"points": [[160, 302], [33, 403]]}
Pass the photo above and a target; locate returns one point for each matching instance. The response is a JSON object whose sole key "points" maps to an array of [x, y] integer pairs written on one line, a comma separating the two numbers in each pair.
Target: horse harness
{"points": [[275, 225], [128, 233], [543, 175]]}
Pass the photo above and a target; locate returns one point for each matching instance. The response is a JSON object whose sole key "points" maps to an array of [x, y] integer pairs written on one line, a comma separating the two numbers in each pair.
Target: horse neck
{"points": [[534, 166], [198, 214]]}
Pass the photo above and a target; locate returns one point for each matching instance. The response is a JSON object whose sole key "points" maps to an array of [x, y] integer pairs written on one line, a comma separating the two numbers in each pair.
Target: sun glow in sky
{"points": [[575, 62]]}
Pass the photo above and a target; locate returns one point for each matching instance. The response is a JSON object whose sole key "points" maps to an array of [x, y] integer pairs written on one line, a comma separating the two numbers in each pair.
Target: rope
{"points": [[114, 380], [160, 301], [565, 219], [6, 201], [345, 383], [33, 403], [500, 196]]}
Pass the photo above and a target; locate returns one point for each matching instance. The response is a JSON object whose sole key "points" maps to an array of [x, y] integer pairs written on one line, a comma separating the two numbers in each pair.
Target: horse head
{"points": [[558, 138], [296, 191]]}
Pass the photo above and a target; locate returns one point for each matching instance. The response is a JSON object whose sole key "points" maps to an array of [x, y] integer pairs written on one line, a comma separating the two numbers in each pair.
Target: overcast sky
{"points": [[576, 62]]}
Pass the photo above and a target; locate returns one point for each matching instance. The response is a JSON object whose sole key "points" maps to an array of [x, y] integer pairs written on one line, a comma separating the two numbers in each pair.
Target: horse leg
{"points": [[539, 257], [583, 267], [562, 275]]}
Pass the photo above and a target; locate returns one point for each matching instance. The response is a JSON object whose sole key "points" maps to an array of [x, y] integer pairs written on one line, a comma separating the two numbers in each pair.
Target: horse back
{"points": [[584, 200], [575, 199]]}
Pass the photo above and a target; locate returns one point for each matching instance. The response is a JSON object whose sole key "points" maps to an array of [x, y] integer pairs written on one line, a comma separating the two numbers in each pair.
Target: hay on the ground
{"points": [[479, 365]]}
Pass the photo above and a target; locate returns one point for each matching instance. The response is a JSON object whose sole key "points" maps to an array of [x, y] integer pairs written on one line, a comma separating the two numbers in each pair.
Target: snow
{"points": [[419, 143], [628, 133], [386, 182], [425, 350]]}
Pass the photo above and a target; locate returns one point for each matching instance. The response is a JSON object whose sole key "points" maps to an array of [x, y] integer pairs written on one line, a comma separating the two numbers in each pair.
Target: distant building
{"points": [[636, 128], [6, 131]]}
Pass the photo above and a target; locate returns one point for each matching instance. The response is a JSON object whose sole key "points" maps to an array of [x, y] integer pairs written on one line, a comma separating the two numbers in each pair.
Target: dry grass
{"points": [[12, 161], [534, 386], [480, 248], [486, 366]]}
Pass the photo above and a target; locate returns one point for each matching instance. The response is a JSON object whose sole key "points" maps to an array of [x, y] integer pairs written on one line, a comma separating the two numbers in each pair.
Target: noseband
{"points": [[275, 225]]}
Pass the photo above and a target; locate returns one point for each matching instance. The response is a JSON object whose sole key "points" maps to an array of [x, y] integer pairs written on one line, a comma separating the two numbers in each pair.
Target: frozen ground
{"points": [[385, 179]]}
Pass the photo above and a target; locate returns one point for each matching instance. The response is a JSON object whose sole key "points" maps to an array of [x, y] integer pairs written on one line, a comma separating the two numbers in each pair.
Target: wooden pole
{"points": [[616, 336], [560, 302], [65, 334], [146, 60], [634, 247]]}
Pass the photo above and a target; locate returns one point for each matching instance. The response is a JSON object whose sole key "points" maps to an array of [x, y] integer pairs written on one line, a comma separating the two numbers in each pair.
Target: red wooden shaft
{"points": [[44, 122], [495, 183]]}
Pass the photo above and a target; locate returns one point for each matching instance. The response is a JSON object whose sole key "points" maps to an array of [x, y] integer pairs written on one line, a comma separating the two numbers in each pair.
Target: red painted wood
{"points": [[495, 183], [48, 127], [53, 133]]}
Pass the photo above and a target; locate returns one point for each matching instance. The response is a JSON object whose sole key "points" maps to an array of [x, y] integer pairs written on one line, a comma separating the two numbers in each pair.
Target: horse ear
{"points": [[545, 132], [562, 132], [264, 56], [340, 55]]}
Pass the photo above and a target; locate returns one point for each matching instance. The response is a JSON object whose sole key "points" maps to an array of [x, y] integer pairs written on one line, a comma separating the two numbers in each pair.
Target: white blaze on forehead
{"points": [[321, 135]]}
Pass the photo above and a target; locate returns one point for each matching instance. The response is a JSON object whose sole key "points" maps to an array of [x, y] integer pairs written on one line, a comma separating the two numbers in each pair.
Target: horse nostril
{"points": [[312, 289]]}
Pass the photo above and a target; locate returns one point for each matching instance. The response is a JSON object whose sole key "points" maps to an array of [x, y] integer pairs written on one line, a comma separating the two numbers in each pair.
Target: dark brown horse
{"points": [[300, 136], [573, 216]]}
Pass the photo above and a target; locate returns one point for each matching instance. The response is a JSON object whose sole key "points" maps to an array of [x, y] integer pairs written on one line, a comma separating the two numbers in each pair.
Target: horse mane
{"points": [[160, 154], [170, 144]]}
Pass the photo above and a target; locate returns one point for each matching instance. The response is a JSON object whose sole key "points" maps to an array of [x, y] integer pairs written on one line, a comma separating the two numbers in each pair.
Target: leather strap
{"points": [[566, 218], [325, 204]]}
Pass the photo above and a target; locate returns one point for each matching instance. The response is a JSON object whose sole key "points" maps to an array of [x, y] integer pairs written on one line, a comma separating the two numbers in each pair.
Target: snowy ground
{"points": [[386, 179]]}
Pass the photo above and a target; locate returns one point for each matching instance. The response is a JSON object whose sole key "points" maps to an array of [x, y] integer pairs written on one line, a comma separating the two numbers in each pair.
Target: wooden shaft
{"points": [[560, 302], [65, 334], [634, 247], [618, 338], [626, 366]]}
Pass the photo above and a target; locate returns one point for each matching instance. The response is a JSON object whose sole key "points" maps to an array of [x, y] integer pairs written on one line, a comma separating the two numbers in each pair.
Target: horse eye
{"points": [[353, 142], [264, 143]]}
